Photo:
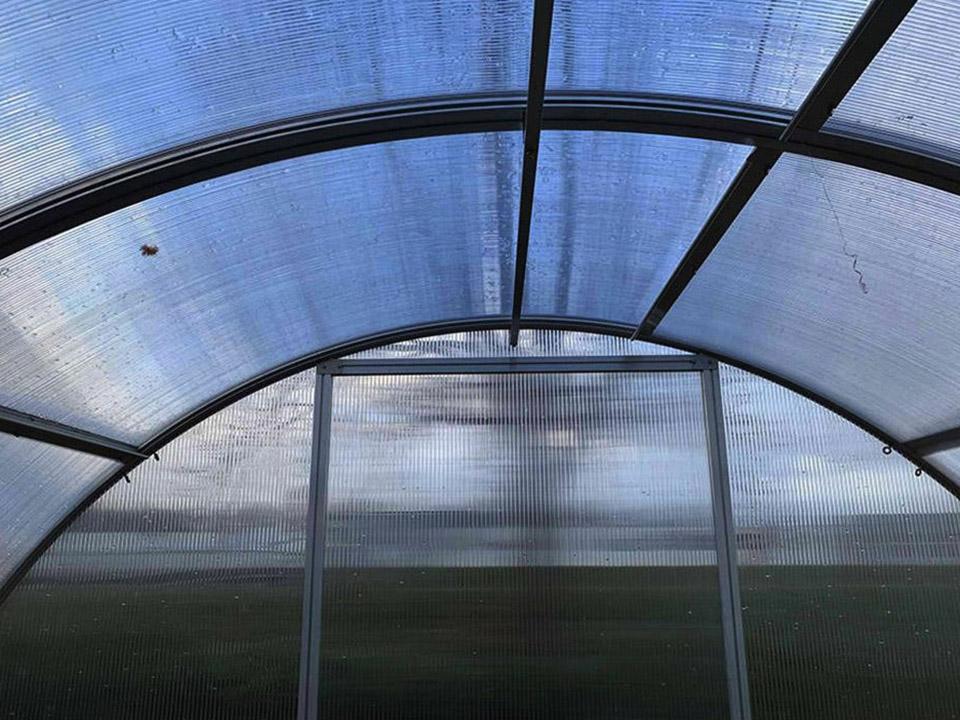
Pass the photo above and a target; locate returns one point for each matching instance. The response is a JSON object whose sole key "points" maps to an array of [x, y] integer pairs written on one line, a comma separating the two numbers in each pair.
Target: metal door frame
{"points": [[724, 531]]}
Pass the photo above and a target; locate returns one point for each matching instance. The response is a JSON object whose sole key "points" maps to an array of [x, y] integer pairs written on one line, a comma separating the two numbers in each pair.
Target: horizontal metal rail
{"points": [[14, 422], [514, 365]]}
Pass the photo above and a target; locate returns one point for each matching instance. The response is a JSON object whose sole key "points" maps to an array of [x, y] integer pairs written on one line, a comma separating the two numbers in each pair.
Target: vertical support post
{"points": [[726, 544], [316, 541]]}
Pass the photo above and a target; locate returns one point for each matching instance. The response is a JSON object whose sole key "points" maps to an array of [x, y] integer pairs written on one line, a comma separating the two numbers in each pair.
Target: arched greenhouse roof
{"points": [[198, 199]]}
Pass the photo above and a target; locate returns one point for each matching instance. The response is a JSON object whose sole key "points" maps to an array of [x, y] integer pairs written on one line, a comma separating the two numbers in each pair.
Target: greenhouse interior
{"points": [[480, 359]]}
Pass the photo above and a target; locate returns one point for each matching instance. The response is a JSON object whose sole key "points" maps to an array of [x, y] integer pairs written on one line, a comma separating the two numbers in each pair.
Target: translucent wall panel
{"points": [[178, 595], [520, 546], [613, 215], [89, 85], [753, 51], [39, 485], [947, 461], [531, 343], [841, 280], [910, 91], [252, 270], [849, 565]]}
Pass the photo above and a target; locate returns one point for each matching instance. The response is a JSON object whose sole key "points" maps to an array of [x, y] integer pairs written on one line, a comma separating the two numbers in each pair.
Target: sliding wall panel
{"points": [[849, 565], [178, 595], [536, 546]]}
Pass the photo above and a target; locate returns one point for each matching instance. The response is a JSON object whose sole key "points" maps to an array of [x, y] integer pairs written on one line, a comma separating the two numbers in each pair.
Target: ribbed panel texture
{"points": [[336, 246], [849, 302], [179, 594], [531, 343], [848, 565], [768, 52], [909, 93], [89, 84], [39, 485], [520, 547], [613, 215]]}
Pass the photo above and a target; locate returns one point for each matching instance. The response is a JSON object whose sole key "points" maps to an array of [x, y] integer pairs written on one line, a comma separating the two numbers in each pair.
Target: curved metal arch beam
{"points": [[310, 360], [100, 194]]}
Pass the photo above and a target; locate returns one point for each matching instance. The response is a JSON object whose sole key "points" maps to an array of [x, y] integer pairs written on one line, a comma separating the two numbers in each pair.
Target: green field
{"points": [[489, 643]]}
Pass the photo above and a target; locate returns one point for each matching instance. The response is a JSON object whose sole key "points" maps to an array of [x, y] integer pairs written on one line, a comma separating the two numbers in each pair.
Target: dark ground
{"points": [[823, 642]]}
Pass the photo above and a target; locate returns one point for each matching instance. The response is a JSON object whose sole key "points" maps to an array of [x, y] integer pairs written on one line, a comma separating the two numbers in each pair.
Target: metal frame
{"points": [[537, 83], [734, 646], [217, 403], [715, 447], [518, 365], [770, 131], [316, 546], [875, 27], [937, 442], [14, 422]]}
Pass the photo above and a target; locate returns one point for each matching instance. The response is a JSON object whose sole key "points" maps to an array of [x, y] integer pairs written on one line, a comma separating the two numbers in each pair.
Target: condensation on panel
{"points": [[909, 94], [765, 52], [852, 300], [251, 271], [178, 595], [531, 343], [39, 485], [849, 565], [89, 85], [613, 215], [520, 546]]}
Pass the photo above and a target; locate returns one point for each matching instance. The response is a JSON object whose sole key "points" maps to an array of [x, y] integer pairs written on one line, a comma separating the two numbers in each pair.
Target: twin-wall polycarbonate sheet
{"points": [[849, 565], [178, 595], [88, 85], [536, 546], [909, 93], [948, 461], [762, 52], [39, 485], [252, 270], [613, 214], [843, 281], [530, 343]]}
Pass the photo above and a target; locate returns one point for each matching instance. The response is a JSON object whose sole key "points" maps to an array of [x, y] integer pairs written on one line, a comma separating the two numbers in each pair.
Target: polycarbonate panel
{"points": [[39, 485], [178, 595], [909, 93], [947, 461], [839, 279], [849, 565], [613, 215], [753, 51], [88, 85], [535, 546], [530, 343], [252, 270]]}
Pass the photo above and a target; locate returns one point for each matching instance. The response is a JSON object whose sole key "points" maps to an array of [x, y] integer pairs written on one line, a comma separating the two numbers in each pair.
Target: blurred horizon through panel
{"points": [[178, 594], [536, 546], [849, 565]]}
